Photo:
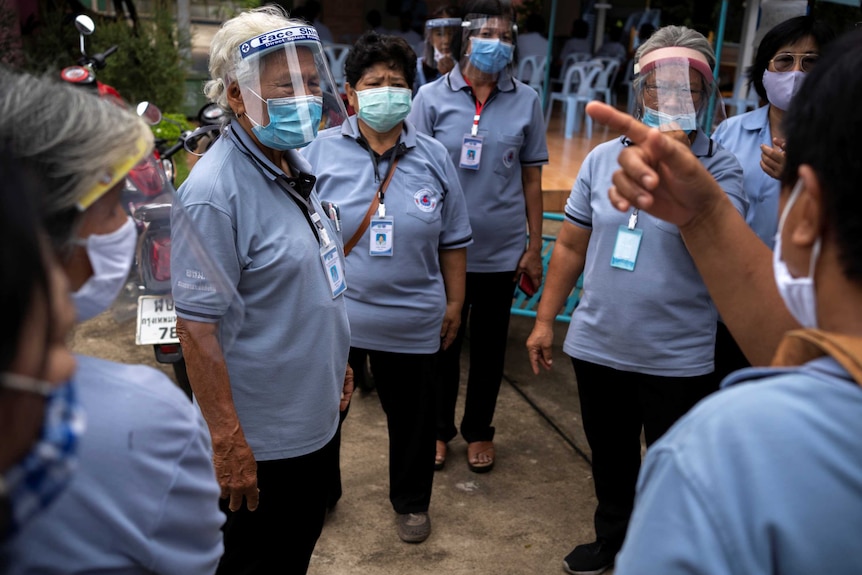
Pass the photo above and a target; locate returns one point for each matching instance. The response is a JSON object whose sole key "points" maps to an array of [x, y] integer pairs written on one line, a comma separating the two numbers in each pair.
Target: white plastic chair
{"points": [[531, 71], [605, 82], [337, 54], [742, 101], [570, 59], [577, 89]]}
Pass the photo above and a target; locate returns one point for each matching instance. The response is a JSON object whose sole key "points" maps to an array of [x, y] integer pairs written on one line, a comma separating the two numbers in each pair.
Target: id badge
{"points": [[625, 254], [381, 238], [334, 269], [471, 152]]}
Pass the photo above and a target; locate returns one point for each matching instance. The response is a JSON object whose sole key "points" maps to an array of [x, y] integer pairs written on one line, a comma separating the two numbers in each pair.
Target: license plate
{"points": [[157, 320]]}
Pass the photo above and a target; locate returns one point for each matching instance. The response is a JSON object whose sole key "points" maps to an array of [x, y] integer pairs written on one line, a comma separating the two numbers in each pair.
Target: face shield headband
{"points": [[488, 44], [284, 66], [114, 175], [675, 90]]}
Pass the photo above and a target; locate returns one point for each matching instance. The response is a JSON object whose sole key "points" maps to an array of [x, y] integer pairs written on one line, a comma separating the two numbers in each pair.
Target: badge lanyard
{"points": [[381, 240], [471, 145], [376, 202], [628, 243]]}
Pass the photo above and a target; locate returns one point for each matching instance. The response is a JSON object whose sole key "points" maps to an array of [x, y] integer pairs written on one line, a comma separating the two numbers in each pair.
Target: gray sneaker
{"points": [[413, 527]]}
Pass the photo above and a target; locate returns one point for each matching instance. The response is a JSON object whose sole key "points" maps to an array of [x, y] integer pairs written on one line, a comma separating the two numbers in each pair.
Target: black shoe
{"points": [[590, 558]]}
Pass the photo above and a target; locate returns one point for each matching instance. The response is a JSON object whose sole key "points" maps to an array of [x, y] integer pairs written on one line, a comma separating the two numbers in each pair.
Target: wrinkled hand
{"points": [[347, 390], [451, 323], [236, 471], [539, 346], [772, 159], [658, 174], [531, 264]]}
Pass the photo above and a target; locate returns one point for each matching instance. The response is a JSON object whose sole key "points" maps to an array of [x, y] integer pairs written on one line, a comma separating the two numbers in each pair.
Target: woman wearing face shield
{"points": [[272, 402], [143, 498], [406, 229], [640, 366], [491, 124], [437, 60], [40, 420]]}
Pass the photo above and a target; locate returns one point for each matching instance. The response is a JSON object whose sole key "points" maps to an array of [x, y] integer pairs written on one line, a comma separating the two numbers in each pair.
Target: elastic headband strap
{"points": [[113, 175], [695, 59]]}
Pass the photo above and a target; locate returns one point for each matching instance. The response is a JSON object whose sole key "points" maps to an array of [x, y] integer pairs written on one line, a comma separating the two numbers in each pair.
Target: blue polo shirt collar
{"points": [[754, 120], [303, 183], [456, 82], [350, 128], [702, 147]]}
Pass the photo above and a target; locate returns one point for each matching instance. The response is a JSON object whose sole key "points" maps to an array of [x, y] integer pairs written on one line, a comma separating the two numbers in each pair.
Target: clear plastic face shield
{"points": [[675, 92], [165, 235], [439, 33], [287, 88], [488, 45]]}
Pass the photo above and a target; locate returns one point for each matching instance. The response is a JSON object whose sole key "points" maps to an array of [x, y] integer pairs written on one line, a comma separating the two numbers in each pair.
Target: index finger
{"points": [[635, 130]]}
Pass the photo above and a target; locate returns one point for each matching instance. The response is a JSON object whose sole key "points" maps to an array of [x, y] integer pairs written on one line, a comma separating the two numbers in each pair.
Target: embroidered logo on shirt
{"points": [[425, 200], [509, 157]]}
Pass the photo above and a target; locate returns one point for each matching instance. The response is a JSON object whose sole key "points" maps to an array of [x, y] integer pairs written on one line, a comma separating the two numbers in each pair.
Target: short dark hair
{"points": [[25, 279], [819, 128], [373, 48], [786, 32]]}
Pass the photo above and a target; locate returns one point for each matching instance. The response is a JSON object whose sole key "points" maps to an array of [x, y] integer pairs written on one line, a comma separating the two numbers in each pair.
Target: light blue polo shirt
{"points": [[287, 365], [763, 477], [513, 130], [743, 135], [395, 303], [657, 319]]}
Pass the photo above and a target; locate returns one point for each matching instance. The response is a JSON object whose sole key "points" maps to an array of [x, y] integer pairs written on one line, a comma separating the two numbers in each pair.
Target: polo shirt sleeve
{"points": [[674, 529], [727, 172], [420, 112], [534, 152], [578, 209], [205, 266], [456, 231]]}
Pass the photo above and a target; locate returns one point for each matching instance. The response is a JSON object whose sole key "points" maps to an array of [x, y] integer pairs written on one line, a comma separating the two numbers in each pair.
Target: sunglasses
{"points": [[786, 62]]}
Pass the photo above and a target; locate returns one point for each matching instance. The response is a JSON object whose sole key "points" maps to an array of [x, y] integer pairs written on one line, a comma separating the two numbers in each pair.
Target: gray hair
{"points": [[69, 136], [677, 36], [224, 48]]}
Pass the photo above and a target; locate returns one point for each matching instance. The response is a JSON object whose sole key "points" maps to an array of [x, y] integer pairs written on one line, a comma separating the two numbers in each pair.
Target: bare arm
{"points": [[663, 178], [531, 261], [236, 469], [453, 266], [566, 266]]}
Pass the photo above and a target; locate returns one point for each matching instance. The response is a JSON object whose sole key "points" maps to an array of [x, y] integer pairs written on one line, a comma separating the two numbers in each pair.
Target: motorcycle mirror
{"points": [[210, 114], [149, 112], [85, 25]]}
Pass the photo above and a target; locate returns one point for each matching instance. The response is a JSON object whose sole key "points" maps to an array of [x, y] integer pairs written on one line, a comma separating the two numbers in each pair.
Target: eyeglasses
{"points": [[681, 91], [786, 61]]}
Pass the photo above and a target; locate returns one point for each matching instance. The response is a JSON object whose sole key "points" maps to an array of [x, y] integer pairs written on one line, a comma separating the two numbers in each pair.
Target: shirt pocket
{"points": [[507, 155], [424, 200]]}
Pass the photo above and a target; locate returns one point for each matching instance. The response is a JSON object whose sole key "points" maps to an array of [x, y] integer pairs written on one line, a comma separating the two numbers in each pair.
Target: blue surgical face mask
{"points": [[383, 108], [654, 119], [35, 481], [293, 122], [490, 55]]}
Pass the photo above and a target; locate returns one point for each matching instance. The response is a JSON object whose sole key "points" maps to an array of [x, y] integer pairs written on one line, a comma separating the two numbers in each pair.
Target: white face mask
{"points": [[111, 256], [781, 87], [798, 293]]}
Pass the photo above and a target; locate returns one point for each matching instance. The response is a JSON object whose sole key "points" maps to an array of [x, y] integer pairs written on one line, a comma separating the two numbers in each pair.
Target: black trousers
{"points": [[405, 384], [279, 537], [728, 356], [615, 406], [486, 307]]}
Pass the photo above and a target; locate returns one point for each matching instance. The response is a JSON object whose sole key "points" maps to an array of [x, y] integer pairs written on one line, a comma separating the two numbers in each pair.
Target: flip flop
{"points": [[477, 449], [440, 456]]}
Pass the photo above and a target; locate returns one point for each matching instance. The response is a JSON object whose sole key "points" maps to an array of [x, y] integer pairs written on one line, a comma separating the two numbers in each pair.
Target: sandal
{"points": [[480, 456], [440, 456]]}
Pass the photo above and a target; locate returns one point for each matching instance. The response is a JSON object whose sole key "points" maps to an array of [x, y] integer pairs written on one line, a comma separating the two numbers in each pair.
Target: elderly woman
{"points": [[492, 126], [642, 365], [272, 401], [37, 400], [143, 436], [402, 208]]}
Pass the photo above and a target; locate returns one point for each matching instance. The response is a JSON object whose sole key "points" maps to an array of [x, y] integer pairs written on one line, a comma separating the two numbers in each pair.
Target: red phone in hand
{"points": [[525, 284]]}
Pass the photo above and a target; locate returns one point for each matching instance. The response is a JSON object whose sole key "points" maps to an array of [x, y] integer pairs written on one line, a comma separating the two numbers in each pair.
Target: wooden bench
{"points": [[526, 306]]}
